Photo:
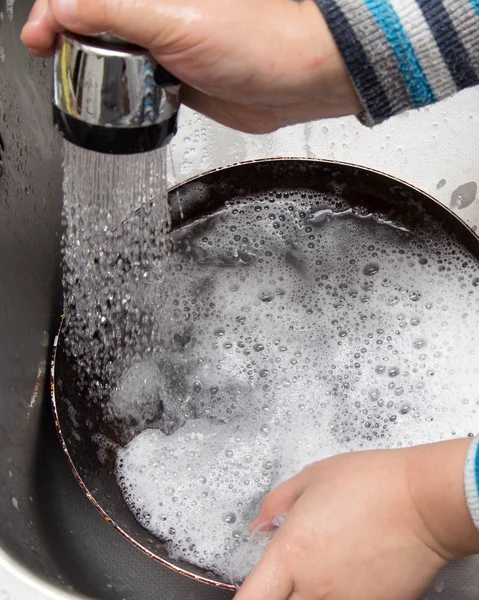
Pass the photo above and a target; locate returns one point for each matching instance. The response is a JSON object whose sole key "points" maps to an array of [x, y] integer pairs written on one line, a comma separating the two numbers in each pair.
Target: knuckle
{"points": [[98, 14]]}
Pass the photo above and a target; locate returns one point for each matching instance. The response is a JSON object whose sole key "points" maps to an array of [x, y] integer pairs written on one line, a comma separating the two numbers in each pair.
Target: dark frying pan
{"points": [[192, 200]]}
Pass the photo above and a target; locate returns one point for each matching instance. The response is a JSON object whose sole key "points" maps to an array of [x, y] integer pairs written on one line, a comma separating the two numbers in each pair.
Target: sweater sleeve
{"points": [[404, 54], [472, 480]]}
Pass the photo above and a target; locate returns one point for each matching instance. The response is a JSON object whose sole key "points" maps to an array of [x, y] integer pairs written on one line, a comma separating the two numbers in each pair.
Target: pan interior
{"points": [[317, 199]]}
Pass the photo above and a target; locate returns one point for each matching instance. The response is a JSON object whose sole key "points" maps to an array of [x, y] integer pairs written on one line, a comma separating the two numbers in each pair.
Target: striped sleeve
{"points": [[404, 54], [472, 480]]}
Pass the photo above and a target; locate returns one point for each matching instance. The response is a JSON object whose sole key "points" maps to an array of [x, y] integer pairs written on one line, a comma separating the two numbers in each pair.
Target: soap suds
{"points": [[288, 330]]}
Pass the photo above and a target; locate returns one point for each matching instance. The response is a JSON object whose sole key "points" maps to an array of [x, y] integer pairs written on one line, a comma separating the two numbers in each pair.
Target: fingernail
{"points": [[24, 30], [66, 10]]}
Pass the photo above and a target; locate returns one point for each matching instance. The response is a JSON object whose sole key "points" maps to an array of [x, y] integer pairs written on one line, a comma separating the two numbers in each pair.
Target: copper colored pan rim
{"points": [[96, 504]]}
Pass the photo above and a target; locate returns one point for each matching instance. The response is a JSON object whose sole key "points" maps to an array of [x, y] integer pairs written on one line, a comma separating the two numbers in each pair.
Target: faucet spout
{"points": [[112, 97]]}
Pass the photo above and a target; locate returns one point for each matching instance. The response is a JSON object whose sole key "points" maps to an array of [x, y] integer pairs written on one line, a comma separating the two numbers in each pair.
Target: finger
{"points": [[41, 53], [269, 581], [148, 23], [242, 118], [282, 498], [40, 30]]}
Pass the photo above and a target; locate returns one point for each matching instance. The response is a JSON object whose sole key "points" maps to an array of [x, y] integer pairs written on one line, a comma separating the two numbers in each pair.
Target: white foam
{"points": [[138, 394], [303, 333], [202, 472]]}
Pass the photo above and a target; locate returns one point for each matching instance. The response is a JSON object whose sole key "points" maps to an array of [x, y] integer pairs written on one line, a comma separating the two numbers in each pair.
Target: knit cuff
{"points": [[404, 54], [471, 478]]}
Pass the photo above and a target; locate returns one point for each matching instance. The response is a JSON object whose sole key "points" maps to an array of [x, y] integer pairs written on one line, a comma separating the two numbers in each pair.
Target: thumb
{"points": [[152, 24]]}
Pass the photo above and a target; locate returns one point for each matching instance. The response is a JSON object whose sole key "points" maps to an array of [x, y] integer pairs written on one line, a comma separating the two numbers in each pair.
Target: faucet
{"points": [[112, 97]]}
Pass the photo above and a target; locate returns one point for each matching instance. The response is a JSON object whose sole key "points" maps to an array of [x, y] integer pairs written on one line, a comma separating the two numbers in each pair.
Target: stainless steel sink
{"points": [[47, 526]]}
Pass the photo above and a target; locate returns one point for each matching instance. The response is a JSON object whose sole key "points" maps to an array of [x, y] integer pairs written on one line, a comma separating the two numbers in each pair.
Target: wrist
{"points": [[436, 479], [312, 67], [329, 79]]}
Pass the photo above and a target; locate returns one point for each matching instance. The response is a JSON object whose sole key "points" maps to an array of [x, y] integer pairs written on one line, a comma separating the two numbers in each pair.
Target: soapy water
{"points": [[288, 331]]}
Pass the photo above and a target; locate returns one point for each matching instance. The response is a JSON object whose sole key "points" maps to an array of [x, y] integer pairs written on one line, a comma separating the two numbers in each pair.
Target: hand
{"points": [[252, 65], [366, 526]]}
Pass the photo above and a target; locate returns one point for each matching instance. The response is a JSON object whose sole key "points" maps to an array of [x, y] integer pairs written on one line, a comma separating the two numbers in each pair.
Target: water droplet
{"points": [[418, 344], [371, 269], [266, 296], [265, 429]]}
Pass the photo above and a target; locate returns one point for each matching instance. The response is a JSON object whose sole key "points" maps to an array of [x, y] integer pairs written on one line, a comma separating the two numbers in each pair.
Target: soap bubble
{"points": [[278, 355]]}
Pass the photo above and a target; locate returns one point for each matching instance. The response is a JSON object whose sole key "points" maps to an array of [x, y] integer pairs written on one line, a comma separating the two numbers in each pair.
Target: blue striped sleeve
{"points": [[471, 477], [404, 54]]}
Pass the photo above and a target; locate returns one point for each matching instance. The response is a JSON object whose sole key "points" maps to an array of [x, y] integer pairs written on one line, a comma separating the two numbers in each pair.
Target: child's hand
{"points": [[366, 526], [254, 65]]}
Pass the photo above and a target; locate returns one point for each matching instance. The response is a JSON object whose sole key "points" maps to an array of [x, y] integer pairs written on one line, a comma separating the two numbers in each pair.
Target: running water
{"points": [[116, 218]]}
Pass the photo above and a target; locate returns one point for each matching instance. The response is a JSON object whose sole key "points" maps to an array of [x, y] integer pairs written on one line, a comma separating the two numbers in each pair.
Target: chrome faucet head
{"points": [[112, 97]]}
